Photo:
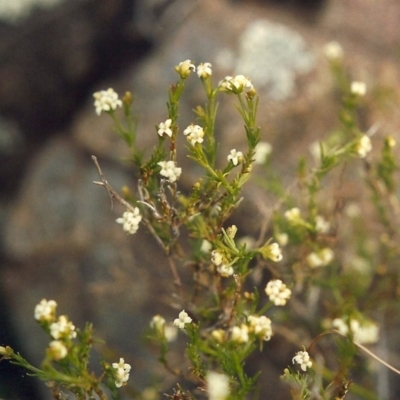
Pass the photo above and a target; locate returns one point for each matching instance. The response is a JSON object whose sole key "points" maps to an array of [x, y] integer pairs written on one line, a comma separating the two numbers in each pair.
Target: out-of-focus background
{"points": [[58, 235]]}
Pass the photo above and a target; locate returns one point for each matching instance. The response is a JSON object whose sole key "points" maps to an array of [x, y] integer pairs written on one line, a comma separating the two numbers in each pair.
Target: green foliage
{"points": [[333, 275]]}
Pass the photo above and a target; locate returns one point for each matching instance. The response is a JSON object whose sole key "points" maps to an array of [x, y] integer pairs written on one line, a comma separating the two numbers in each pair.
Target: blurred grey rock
{"points": [[14, 11], [51, 57], [273, 55], [65, 245]]}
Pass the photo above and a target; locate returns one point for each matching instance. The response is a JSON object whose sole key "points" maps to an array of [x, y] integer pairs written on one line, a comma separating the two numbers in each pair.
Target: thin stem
{"points": [[177, 279], [369, 352], [115, 195]]}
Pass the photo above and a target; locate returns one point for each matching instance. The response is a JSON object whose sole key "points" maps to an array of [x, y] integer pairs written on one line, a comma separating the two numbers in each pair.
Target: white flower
{"points": [[164, 128], [353, 210], [204, 70], [235, 156], [62, 328], [321, 224], [194, 134], [340, 325], [170, 333], [247, 241], [303, 359], [275, 252], [282, 238], [57, 350], [157, 323], [182, 320], [225, 270], [225, 84], [391, 141], [277, 292], [365, 333], [206, 246], [185, 68], [272, 251], [169, 170], [237, 84], [106, 100], [363, 146], [240, 334], [333, 51], [260, 326], [218, 335], [216, 257], [45, 310], [326, 255], [130, 221], [5, 351], [293, 215], [358, 88], [122, 373], [217, 386], [262, 151], [317, 149], [320, 258]]}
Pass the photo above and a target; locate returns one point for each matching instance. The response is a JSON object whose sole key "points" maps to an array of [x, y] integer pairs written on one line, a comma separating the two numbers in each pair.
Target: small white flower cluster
{"points": [[106, 100], [169, 170], [240, 334], [164, 128], [206, 246], [391, 141], [60, 330], [216, 257], [273, 252], [316, 149], [320, 258], [365, 333], [204, 70], [237, 84], [321, 224], [358, 88], [333, 51], [45, 310], [257, 326], [219, 335], [363, 146], [261, 152], [277, 292], [303, 359], [293, 215], [130, 221], [235, 157], [260, 326], [159, 324], [4, 351], [217, 386], [182, 320], [122, 372], [194, 134], [57, 350], [225, 270], [282, 238], [184, 68]]}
